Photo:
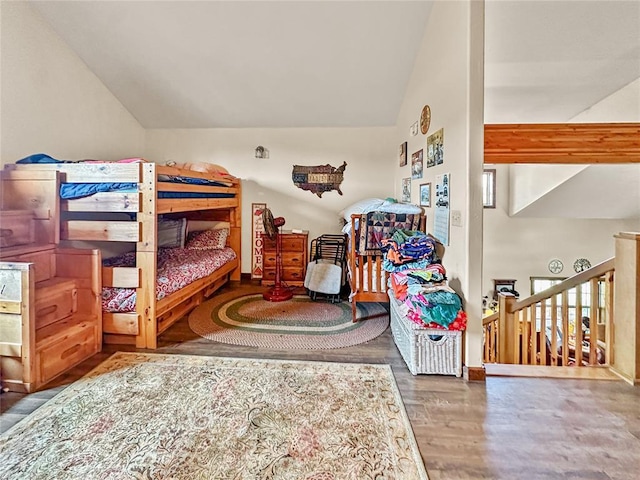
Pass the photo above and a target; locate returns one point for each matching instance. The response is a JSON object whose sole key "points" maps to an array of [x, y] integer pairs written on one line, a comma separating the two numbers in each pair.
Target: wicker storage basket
{"points": [[426, 350]]}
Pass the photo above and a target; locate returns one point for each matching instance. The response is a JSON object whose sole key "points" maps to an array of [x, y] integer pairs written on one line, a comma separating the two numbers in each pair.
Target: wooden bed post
{"points": [[235, 240], [146, 259]]}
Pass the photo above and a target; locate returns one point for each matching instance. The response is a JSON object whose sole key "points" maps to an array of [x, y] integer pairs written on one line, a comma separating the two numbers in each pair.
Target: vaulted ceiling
{"points": [[202, 64]]}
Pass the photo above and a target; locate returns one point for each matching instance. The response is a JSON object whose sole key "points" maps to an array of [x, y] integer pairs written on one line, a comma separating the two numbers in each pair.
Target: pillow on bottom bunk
{"points": [[200, 225], [208, 239], [177, 267], [172, 233]]}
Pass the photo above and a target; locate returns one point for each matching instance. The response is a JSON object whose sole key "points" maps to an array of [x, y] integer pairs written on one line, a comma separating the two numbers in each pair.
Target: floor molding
{"points": [[544, 371], [474, 374]]}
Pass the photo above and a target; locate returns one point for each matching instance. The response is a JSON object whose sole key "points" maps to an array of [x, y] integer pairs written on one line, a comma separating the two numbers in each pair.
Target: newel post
{"points": [[626, 307], [507, 330]]}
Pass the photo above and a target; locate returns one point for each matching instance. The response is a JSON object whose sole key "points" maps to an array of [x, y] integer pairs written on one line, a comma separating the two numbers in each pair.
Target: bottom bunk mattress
{"points": [[177, 268]]}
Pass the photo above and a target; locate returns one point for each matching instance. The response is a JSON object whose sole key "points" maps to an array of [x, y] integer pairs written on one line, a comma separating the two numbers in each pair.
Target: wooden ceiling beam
{"points": [[568, 143]]}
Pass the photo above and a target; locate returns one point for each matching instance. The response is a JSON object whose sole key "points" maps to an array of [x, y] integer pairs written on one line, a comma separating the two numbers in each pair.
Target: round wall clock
{"points": [[425, 119], [555, 266], [581, 265]]}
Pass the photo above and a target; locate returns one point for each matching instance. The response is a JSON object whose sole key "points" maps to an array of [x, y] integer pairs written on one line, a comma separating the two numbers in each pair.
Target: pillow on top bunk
{"points": [[199, 167], [208, 239]]}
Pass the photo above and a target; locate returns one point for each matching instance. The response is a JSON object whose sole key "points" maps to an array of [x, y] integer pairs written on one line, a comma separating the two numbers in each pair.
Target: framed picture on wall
{"points": [[505, 286], [406, 190], [416, 164], [403, 154], [435, 148], [425, 195]]}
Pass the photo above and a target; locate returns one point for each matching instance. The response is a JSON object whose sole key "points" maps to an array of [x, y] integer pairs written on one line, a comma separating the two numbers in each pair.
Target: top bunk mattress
{"points": [[85, 178], [71, 191]]}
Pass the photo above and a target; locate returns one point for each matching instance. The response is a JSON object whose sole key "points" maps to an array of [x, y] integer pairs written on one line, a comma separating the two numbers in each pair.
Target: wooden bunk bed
{"points": [[91, 219], [367, 277]]}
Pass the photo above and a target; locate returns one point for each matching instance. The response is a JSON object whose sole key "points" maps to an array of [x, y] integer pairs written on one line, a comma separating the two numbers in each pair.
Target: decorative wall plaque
{"points": [[257, 228], [425, 119], [319, 178], [555, 266]]}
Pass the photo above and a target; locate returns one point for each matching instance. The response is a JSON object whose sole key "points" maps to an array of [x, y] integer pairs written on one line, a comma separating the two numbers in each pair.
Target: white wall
{"points": [[448, 75], [369, 152], [530, 182], [519, 248], [51, 102], [621, 106]]}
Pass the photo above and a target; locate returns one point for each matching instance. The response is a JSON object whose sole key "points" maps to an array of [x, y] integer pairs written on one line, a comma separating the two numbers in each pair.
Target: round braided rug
{"points": [[299, 323]]}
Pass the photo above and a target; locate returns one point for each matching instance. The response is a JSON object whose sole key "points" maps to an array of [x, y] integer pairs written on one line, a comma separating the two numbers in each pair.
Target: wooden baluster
{"points": [[593, 322], [508, 331], [565, 328], [487, 331], [578, 326], [495, 341], [529, 315], [493, 335], [609, 320], [525, 339], [543, 333], [554, 330]]}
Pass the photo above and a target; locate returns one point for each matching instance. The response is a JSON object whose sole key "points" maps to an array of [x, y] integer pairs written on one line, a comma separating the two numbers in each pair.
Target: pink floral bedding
{"points": [[177, 267]]}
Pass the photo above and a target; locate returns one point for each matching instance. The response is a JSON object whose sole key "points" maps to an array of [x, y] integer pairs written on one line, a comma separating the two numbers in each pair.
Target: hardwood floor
{"points": [[506, 428]]}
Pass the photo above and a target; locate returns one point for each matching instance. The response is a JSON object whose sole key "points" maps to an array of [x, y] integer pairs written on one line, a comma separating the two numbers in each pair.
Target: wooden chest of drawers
{"points": [[294, 258], [50, 312]]}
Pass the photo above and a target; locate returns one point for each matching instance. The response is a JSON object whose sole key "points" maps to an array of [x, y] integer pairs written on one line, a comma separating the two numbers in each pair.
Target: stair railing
{"points": [[547, 329]]}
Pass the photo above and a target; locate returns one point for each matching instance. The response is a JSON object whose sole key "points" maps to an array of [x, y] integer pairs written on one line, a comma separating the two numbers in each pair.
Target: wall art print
{"points": [[257, 228], [416, 164], [425, 195], [403, 154], [319, 178], [435, 148], [441, 216], [406, 190]]}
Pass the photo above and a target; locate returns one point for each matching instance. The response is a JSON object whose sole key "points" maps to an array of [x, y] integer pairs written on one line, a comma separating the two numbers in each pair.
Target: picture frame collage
{"points": [[434, 153]]}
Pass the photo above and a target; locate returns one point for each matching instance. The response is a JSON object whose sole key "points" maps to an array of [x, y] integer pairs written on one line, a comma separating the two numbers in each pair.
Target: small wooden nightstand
{"points": [[294, 258]]}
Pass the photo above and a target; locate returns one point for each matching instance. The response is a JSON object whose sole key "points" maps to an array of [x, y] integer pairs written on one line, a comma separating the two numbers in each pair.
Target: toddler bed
{"points": [[102, 202], [367, 276]]}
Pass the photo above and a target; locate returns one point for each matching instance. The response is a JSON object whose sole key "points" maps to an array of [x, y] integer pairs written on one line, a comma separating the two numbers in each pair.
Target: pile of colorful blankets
{"points": [[419, 281]]}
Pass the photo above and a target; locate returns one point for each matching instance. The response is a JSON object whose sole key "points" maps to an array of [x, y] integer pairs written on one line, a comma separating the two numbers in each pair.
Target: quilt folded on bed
{"points": [[380, 225]]}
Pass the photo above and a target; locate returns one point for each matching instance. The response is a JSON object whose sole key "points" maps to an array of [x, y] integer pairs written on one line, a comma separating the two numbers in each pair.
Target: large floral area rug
{"points": [[153, 416], [299, 323]]}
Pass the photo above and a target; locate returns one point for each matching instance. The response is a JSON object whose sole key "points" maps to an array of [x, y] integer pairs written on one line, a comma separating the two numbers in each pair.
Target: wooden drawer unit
{"points": [[294, 258], [66, 351], [57, 299], [17, 227], [50, 312]]}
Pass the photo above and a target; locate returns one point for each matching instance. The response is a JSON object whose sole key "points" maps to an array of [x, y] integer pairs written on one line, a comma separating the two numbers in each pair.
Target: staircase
{"points": [[544, 335]]}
